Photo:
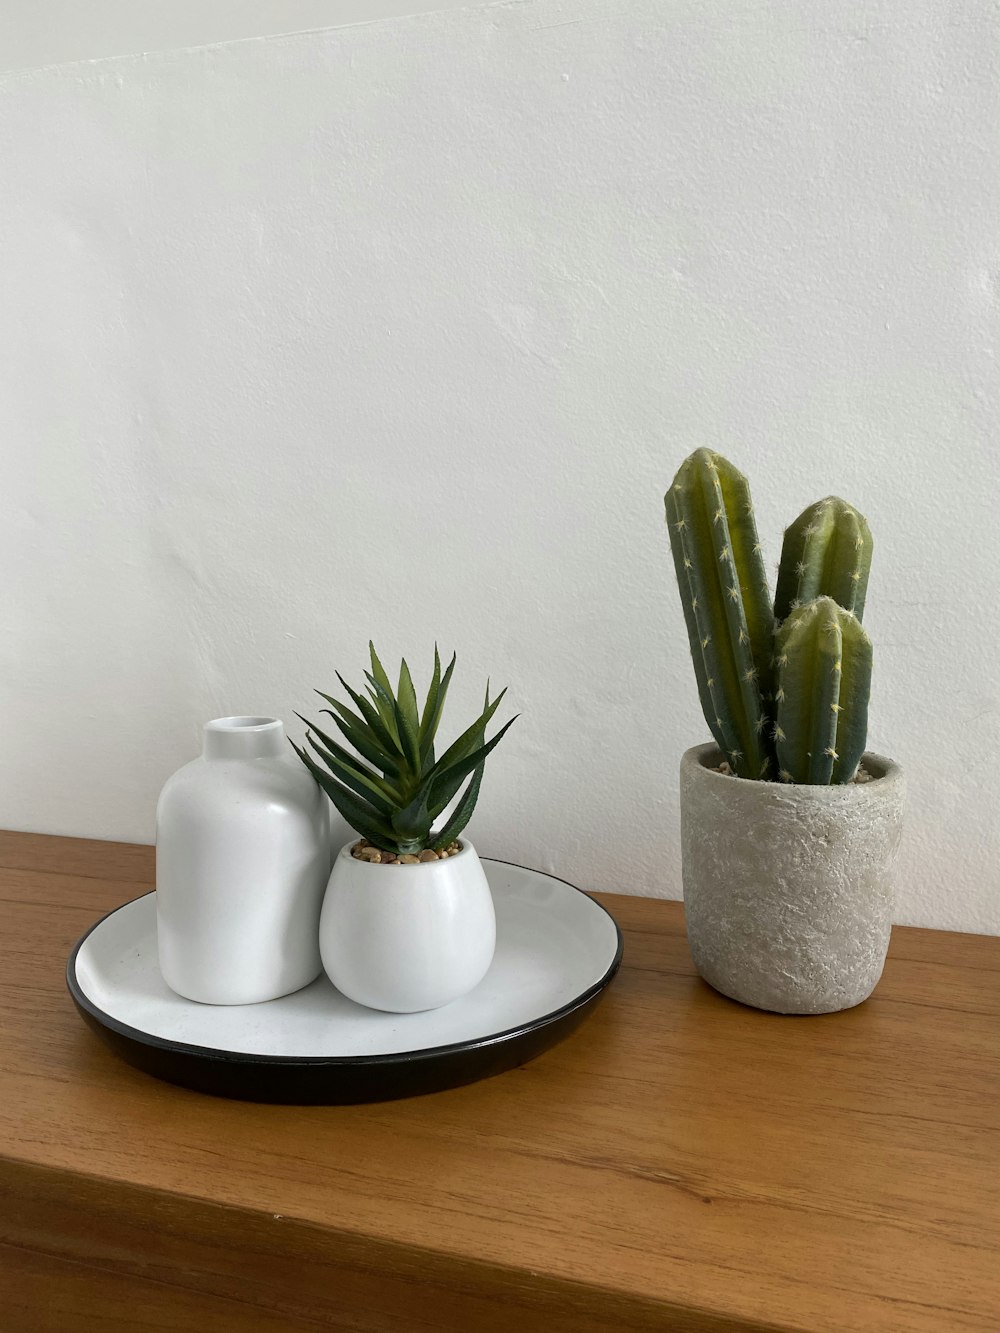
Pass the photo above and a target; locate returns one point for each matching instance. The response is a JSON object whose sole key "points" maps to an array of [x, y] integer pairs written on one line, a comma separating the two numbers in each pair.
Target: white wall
{"points": [[49, 32], [402, 329]]}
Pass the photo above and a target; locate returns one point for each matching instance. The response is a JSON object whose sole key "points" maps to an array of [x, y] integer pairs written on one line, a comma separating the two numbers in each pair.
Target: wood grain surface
{"points": [[680, 1162]]}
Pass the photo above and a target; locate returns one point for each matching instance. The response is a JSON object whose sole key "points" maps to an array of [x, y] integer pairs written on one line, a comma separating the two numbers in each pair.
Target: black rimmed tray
{"points": [[557, 952]]}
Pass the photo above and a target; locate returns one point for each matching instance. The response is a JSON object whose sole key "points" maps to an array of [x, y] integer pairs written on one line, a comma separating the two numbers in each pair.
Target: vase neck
{"points": [[244, 738]]}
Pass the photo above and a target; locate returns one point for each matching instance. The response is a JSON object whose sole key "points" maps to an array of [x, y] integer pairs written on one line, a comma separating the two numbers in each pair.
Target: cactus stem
{"points": [[731, 623], [825, 552], [826, 680]]}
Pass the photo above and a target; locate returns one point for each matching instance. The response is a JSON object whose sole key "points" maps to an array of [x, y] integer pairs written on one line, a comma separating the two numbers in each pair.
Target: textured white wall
{"points": [[49, 32], [402, 329]]}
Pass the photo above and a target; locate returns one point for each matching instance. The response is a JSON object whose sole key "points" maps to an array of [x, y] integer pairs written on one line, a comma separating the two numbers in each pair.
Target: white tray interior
{"points": [[553, 944]]}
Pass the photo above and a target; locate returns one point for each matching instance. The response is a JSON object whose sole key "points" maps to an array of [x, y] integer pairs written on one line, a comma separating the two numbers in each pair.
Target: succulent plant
{"points": [[824, 662], [393, 788], [827, 551], [808, 724], [727, 606]]}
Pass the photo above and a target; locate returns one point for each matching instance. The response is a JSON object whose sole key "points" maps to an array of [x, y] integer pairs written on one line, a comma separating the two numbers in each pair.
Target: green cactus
{"points": [[827, 551], [824, 665], [727, 606]]}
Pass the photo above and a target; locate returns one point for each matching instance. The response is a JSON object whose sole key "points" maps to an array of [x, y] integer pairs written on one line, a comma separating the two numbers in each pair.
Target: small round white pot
{"points": [[242, 860], [788, 889], [407, 937]]}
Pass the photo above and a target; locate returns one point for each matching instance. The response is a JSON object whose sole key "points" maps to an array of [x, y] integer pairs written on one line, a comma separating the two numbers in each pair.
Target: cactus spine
{"points": [[824, 664], [827, 551], [720, 573]]}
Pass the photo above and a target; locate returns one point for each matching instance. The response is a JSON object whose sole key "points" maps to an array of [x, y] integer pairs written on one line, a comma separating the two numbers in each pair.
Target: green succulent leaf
{"points": [[384, 734], [447, 783], [361, 737], [382, 686], [432, 692], [389, 707], [409, 739], [413, 821], [433, 707], [352, 759], [472, 737], [359, 814], [388, 785], [406, 697], [462, 813], [352, 775]]}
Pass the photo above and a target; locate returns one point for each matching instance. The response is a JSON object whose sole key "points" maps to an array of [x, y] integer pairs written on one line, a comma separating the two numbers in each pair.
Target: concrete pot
{"points": [[788, 890]]}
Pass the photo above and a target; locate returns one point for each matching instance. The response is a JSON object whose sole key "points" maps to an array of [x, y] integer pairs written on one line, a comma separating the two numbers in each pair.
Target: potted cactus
{"points": [[789, 829], [407, 920]]}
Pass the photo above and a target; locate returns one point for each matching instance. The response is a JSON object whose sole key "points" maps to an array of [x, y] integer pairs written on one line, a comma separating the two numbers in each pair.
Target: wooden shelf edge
{"points": [[277, 1268]]}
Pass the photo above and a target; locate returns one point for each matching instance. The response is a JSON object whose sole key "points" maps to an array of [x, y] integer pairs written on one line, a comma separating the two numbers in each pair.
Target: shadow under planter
{"points": [[788, 889]]}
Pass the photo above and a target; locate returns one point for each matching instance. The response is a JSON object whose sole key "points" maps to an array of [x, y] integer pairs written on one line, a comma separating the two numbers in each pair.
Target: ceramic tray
{"points": [[557, 951]]}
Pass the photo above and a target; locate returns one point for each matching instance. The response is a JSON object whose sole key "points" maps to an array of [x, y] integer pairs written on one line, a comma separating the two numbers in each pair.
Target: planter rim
{"points": [[345, 854], [702, 760]]}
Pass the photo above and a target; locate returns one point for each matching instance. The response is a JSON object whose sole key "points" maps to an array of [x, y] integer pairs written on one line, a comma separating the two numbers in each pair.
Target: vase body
{"points": [[788, 889], [407, 937], [242, 859]]}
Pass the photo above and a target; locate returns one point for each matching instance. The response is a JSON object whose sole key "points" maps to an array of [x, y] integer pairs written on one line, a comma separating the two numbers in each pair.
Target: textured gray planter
{"points": [[788, 890]]}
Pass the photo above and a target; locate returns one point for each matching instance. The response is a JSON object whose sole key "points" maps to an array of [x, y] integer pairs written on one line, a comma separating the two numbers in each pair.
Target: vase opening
{"points": [[242, 723], [244, 738]]}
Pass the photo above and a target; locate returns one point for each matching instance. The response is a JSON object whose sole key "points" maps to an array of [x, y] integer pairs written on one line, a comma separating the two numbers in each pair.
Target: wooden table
{"points": [[679, 1163]]}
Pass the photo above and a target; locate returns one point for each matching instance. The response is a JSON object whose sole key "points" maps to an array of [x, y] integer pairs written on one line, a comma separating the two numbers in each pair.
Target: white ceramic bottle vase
{"points": [[242, 860]]}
